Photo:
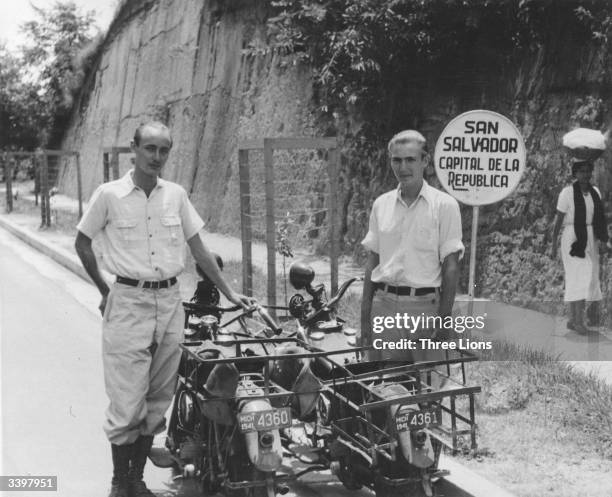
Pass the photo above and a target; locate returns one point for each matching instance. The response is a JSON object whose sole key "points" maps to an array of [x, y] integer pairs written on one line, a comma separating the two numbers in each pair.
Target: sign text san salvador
{"points": [[480, 157]]}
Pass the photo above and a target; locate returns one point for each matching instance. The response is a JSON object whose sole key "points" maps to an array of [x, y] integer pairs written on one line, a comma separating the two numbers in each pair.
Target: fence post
{"points": [[270, 225], [115, 163], [106, 167], [79, 184], [334, 221], [45, 200], [245, 222], [36, 177], [8, 177]]}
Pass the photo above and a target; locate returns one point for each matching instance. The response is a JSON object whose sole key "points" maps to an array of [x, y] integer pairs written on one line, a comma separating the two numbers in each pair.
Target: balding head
{"points": [[156, 125]]}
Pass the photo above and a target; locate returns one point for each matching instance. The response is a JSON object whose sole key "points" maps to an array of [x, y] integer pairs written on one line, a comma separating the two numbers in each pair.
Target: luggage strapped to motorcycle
{"points": [[271, 390]]}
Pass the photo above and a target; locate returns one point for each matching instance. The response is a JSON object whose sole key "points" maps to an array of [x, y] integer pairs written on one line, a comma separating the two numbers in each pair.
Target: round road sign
{"points": [[480, 157]]}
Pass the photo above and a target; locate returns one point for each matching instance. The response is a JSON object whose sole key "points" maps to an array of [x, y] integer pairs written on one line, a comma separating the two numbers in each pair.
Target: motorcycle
{"points": [[251, 393], [386, 423], [241, 385]]}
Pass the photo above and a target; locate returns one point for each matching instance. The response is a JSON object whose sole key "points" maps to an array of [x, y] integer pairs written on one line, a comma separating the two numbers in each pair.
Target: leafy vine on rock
{"points": [[384, 65]]}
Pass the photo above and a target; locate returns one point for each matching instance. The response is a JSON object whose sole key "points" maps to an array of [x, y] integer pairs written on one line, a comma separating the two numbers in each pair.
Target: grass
{"points": [[544, 428]]}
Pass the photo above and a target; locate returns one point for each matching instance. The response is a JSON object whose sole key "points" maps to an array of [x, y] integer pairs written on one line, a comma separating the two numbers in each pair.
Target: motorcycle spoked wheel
{"points": [[190, 444], [411, 489], [347, 476], [249, 473], [421, 486], [240, 468]]}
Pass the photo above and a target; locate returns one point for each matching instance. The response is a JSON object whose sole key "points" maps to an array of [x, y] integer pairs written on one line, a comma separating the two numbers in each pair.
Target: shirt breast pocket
{"points": [[426, 238], [173, 229], [126, 230]]}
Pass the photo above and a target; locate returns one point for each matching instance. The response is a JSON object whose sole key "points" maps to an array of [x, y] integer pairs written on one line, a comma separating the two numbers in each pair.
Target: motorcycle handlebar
{"points": [[260, 309], [268, 320], [341, 291], [193, 307], [335, 299]]}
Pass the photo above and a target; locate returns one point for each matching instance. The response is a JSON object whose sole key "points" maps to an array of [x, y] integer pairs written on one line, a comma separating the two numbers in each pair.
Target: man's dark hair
{"points": [[150, 124]]}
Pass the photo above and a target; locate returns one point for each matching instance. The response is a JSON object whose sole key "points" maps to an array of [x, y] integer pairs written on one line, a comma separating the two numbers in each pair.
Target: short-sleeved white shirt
{"points": [[413, 241], [565, 204], [141, 238]]}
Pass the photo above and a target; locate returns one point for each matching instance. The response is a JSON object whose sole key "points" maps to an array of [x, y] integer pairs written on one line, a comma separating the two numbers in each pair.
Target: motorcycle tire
{"points": [[241, 469], [347, 476], [413, 489], [402, 470]]}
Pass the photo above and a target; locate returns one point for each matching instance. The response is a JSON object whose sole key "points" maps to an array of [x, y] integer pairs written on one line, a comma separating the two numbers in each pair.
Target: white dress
{"points": [[581, 275]]}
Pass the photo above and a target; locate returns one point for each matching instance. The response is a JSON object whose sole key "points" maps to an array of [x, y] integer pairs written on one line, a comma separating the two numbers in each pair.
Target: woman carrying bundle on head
{"points": [[580, 211]]}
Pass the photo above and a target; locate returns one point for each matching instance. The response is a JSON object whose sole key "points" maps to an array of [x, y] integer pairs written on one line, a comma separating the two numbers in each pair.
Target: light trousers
{"points": [[141, 332], [386, 304]]}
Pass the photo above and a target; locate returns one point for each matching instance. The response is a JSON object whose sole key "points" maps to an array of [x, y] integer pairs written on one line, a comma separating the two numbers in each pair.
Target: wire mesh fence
{"points": [[115, 162], [301, 199], [288, 198], [52, 176], [15, 168]]}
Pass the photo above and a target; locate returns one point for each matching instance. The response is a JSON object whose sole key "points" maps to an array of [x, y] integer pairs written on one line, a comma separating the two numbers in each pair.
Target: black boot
{"points": [[121, 466], [137, 487]]}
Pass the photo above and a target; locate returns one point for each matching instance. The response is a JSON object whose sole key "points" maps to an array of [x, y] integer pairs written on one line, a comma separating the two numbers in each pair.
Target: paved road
{"points": [[52, 390]]}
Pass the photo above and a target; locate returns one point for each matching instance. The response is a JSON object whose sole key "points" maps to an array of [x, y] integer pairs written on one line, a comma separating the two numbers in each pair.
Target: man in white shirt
{"points": [[142, 222], [414, 247]]}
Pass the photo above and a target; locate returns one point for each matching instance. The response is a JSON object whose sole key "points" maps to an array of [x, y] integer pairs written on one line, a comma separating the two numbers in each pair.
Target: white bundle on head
{"points": [[584, 143]]}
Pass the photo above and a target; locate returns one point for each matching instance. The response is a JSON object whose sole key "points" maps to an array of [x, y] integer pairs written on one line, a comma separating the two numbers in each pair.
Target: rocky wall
{"points": [[184, 62], [196, 65]]}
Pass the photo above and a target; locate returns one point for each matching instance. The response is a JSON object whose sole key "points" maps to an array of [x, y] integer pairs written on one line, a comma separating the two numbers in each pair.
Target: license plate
{"points": [[265, 420], [417, 420]]}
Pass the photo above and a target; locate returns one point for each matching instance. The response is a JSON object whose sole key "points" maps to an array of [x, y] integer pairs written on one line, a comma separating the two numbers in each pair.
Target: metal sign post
{"points": [[472, 279]]}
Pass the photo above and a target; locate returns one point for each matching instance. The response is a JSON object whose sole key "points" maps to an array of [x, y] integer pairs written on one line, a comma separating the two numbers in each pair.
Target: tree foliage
{"points": [[365, 51], [40, 81], [20, 105], [378, 64]]}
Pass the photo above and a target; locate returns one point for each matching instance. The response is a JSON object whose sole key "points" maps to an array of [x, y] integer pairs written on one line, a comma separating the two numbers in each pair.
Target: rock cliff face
{"points": [[185, 62], [182, 61]]}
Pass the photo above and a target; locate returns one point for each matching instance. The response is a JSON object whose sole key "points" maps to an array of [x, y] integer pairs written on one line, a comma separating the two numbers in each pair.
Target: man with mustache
{"points": [[142, 222]]}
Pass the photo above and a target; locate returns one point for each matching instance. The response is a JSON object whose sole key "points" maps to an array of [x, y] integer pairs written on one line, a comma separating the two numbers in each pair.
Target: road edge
{"points": [[460, 476], [59, 255]]}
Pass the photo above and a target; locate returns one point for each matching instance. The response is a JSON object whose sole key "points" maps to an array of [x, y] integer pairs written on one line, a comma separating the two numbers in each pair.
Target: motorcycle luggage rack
{"points": [[271, 389], [361, 394], [450, 436], [313, 352], [349, 428]]}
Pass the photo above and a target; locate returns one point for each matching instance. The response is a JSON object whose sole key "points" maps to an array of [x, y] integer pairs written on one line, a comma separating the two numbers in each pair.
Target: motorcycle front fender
{"points": [[264, 449]]}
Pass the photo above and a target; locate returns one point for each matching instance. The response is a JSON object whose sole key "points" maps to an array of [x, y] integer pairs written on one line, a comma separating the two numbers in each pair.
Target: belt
{"points": [[404, 290], [154, 285]]}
